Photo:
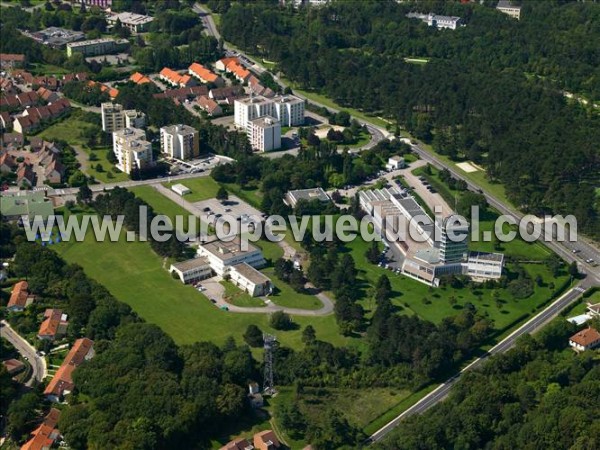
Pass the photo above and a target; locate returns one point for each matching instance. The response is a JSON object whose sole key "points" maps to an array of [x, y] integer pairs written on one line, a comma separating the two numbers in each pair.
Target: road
{"points": [[441, 392], [38, 363]]}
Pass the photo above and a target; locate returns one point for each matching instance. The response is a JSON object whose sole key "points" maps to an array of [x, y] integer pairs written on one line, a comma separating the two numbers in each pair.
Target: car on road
{"points": [[213, 300], [576, 250], [224, 308]]}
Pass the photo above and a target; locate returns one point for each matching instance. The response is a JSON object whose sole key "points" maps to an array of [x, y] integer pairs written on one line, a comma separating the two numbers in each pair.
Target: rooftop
{"points": [[227, 250], [586, 337], [130, 18], [250, 273], [265, 122], [29, 204], [310, 194], [190, 264]]}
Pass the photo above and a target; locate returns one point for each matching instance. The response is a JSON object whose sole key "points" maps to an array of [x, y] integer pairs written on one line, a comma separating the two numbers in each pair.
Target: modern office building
{"points": [[221, 255], [292, 197], [454, 239], [180, 141], [132, 149], [265, 134]]}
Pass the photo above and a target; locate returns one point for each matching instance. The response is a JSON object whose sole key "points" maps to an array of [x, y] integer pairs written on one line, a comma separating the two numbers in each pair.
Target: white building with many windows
{"points": [[115, 118], [507, 7], [288, 109], [265, 134], [132, 149], [221, 255], [180, 141]]}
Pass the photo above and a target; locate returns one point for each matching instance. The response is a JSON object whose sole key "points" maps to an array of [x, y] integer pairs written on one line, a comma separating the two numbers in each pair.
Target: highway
{"points": [[440, 392], [38, 363]]}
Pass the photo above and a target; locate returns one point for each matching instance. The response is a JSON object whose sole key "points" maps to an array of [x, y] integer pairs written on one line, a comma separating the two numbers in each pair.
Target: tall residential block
{"points": [[132, 149], [180, 141]]}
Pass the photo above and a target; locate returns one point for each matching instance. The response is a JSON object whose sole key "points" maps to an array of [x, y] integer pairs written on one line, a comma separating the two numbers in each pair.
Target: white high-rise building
{"points": [[180, 141], [289, 110], [251, 108], [115, 118], [132, 149], [265, 134]]}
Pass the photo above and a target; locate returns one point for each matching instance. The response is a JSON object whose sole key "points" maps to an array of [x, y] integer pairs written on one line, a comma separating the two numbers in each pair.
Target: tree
{"points": [[372, 253], [280, 320], [222, 194], [297, 280], [77, 179], [253, 336], [84, 196], [573, 270], [309, 335]]}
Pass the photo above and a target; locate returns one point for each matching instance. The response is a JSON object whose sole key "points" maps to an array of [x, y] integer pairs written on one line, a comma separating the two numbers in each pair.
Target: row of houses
{"points": [[46, 155], [49, 82], [46, 435], [62, 382], [33, 118], [264, 440]]}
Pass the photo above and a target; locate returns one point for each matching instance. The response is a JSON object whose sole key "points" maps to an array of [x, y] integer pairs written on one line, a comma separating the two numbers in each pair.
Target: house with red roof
{"points": [[176, 79], [266, 440], [46, 435], [25, 176], [209, 105], [205, 75], [139, 78], [62, 382], [54, 326], [20, 298], [583, 340], [8, 163]]}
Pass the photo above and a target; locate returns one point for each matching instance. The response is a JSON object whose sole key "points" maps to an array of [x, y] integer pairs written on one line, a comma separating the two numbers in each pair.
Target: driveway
{"points": [[26, 350]]}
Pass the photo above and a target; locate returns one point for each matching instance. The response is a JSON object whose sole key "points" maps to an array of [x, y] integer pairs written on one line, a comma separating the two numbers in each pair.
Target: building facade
{"points": [[115, 118], [265, 134], [132, 149], [180, 141], [95, 47]]}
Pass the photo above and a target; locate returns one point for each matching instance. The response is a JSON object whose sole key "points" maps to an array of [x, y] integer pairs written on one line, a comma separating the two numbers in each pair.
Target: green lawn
{"points": [[237, 297], [68, 130], [202, 188], [162, 205], [107, 166], [133, 273], [434, 304]]}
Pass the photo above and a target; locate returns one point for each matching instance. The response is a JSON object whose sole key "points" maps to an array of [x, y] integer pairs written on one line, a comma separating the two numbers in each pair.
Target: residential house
{"points": [[20, 298], [266, 440], [28, 99], [55, 172], [111, 91], [238, 444], [9, 101], [13, 366], [5, 121], [54, 326], [9, 61], [507, 7], [170, 76], [62, 382], [12, 141], [593, 310], [204, 74], [226, 94], [8, 163], [47, 95], [25, 176], [182, 94], [46, 435], [583, 340], [209, 105], [139, 78], [232, 65], [395, 162]]}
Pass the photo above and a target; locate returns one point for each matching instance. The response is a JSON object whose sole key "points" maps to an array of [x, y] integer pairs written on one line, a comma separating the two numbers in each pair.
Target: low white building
{"points": [[265, 134], [292, 197], [437, 21], [250, 280], [222, 255], [181, 189], [395, 162], [506, 7], [136, 23], [192, 270], [482, 265]]}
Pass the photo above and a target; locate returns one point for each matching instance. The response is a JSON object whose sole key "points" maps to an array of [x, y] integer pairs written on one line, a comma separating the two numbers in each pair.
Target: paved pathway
{"points": [[27, 351]]}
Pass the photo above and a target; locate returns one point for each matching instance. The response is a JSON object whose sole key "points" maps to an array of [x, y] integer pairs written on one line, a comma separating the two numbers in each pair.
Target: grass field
{"points": [[133, 273], [202, 188], [237, 297], [162, 205], [69, 130], [435, 304]]}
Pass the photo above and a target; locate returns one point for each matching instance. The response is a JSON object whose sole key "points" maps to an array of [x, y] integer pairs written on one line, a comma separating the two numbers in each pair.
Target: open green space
{"points": [[163, 205], [68, 130], [237, 297], [435, 304], [133, 273], [202, 188], [47, 69]]}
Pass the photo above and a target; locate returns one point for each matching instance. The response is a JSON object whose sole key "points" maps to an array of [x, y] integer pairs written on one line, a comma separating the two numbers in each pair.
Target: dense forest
{"points": [[491, 91], [537, 395]]}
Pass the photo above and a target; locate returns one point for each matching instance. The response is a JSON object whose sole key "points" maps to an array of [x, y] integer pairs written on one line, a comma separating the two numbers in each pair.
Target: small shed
{"points": [[180, 189]]}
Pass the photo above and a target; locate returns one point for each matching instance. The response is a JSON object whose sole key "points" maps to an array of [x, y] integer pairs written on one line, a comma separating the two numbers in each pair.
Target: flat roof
{"points": [[485, 257], [90, 42], [227, 250], [250, 273], [31, 204], [190, 264], [131, 18], [309, 194], [265, 122]]}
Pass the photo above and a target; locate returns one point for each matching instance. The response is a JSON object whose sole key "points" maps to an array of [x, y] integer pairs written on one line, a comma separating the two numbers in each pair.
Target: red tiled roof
{"points": [[63, 380], [207, 104], [10, 57], [237, 444], [139, 78], [51, 323], [44, 436], [203, 73], [586, 337], [19, 294], [262, 439]]}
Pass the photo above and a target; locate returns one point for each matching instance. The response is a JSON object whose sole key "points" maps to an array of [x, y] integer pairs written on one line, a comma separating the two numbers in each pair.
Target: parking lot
{"points": [[213, 209]]}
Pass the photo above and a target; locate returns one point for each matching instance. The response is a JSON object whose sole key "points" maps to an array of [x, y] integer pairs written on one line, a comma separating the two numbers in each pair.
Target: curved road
{"points": [[25, 349]]}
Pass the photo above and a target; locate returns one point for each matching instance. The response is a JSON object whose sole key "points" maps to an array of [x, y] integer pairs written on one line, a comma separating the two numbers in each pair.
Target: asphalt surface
{"points": [[38, 364], [441, 392]]}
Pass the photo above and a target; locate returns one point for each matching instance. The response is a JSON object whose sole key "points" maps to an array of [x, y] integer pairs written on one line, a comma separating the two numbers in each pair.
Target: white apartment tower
{"points": [[132, 149], [265, 134], [115, 118], [289, 110], [180, 141]]}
